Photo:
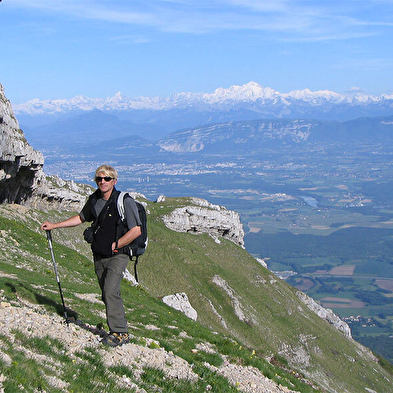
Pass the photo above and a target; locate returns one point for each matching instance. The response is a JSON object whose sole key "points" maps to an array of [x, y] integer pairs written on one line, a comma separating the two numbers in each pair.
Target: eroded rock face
{"points": [[57, 194], [203, 217], [325, 314], [20, 165], [22, 179]]}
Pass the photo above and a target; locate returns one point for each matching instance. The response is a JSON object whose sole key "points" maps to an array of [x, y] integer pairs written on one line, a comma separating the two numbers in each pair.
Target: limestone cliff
{"points": [[20, 165], [22, 179]]}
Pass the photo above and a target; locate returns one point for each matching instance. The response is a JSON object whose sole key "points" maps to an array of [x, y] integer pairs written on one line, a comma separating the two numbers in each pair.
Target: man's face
{"points": [[105, 183]]}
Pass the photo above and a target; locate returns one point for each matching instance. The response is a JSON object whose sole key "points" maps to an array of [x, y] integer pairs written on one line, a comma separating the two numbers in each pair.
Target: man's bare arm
{"points": [[70, 222], [128, 237]]}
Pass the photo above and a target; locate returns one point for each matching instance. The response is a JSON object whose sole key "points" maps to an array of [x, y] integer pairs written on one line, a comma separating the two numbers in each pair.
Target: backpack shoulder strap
{"points": [[120, 204]]}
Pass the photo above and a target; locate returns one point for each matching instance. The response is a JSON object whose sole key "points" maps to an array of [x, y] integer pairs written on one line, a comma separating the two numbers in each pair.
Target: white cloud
{"points": [[355, 90], [301, 20]]}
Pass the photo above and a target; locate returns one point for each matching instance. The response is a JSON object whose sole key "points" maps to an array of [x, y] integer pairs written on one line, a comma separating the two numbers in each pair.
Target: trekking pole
{"points": [[49, 237]]}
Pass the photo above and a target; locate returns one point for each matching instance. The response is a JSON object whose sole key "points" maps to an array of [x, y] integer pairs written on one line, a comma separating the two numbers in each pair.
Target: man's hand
{"points": [[114, 250], [48, 226]]}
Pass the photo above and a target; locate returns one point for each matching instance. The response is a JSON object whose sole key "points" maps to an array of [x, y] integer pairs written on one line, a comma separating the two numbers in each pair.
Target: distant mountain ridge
{"points": [[155, 117], [248, 101], [249, 136], [251, 92], [85, 132]]}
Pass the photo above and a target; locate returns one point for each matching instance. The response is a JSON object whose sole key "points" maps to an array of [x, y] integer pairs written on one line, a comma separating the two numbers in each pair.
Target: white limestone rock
{"points": [[20, 165], [325, 314], [161, 198], [204, 217], [179, 301]]}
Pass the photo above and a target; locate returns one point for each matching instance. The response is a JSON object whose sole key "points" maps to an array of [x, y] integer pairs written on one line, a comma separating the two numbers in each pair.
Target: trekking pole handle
{"points": [[48, 234]]}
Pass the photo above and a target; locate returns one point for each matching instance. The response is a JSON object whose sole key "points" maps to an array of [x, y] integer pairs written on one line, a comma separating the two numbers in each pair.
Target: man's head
{"points": [[106, 171], [106, 178]]}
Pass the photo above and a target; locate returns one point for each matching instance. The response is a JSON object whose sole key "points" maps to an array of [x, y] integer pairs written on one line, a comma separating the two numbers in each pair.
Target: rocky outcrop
{"points": [[20, 165], [203, 217], [22, 179], [58, 194], [326, 314], [180, 302]]}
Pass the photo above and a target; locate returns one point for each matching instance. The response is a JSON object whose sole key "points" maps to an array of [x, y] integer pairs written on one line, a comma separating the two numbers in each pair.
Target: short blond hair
{"points": [[107, 170]]}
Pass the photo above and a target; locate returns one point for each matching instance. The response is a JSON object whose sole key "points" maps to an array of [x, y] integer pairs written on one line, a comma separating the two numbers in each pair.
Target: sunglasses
{"points": [[106, 178]]}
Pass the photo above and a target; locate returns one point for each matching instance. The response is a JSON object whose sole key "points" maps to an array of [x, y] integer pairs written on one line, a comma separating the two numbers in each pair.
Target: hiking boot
{"points": [[116, 339]]}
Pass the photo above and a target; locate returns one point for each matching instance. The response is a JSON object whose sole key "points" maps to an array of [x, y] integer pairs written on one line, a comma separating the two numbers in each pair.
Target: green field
{"points": [[338, 242]]}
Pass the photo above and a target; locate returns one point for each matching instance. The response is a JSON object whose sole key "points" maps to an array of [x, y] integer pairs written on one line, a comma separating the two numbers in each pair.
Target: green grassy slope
{"points": [[231, 292]]}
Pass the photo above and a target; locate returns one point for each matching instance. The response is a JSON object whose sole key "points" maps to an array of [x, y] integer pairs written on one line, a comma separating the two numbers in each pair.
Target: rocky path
{"points": [[32, 321]]}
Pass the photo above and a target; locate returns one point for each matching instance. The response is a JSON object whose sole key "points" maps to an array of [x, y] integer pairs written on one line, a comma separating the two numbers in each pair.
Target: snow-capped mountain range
{"points": [[251, 96]]}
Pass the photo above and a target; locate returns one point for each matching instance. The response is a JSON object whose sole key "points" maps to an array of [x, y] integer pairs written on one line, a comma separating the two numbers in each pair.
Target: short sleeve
{"points": [[131, 213], [86, 214]]}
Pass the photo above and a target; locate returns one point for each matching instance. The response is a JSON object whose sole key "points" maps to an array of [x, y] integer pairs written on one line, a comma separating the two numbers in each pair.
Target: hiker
{"points": [[110, 260]]}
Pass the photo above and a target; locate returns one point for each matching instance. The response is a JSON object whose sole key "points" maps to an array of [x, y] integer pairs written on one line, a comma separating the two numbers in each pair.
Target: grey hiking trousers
{"points": [[110, 273]]}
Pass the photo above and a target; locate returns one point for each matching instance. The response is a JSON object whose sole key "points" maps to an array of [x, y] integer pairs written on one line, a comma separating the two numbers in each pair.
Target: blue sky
{"points": [[54, 49]]}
